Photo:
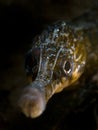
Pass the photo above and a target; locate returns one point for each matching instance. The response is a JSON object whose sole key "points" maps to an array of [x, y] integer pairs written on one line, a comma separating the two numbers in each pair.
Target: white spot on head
{"points": [[66, 34], [74, 39]]}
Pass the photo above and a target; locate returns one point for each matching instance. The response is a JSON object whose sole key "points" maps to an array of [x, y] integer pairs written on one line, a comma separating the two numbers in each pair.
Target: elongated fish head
{"points": [[60, 61]]}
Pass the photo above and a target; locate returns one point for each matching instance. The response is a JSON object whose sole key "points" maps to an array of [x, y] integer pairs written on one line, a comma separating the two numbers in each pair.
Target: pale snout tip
{"points": [[32, 103]]}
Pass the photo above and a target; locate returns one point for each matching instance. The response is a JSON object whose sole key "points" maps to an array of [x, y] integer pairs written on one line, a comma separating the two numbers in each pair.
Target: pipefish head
{"points": [[61, 60]]}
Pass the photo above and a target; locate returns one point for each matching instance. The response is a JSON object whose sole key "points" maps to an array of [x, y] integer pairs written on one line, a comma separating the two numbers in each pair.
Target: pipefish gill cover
{"points": [[58, 58]]}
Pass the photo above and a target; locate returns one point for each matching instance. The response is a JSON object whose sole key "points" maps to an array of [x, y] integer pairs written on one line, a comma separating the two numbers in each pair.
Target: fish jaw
{"points": [[32, 102]]}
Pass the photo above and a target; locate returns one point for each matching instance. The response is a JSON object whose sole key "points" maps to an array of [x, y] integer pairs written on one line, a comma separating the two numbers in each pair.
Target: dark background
{"points": [[20, 21]]}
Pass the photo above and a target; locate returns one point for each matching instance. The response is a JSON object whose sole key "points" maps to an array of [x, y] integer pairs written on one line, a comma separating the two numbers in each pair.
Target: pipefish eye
{"points": [[31, 62], [67, 67]]}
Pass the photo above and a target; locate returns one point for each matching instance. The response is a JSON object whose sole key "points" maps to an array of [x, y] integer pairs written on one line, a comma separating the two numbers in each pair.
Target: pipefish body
{"points": [[58, 58]]}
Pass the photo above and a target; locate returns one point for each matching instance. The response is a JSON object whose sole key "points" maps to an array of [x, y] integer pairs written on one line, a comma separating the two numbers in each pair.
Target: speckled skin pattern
{"points": [[60, 56]]}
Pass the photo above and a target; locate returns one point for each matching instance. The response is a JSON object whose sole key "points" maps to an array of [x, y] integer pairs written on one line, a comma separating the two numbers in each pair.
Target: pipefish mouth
{"points": [[57, 59]]}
